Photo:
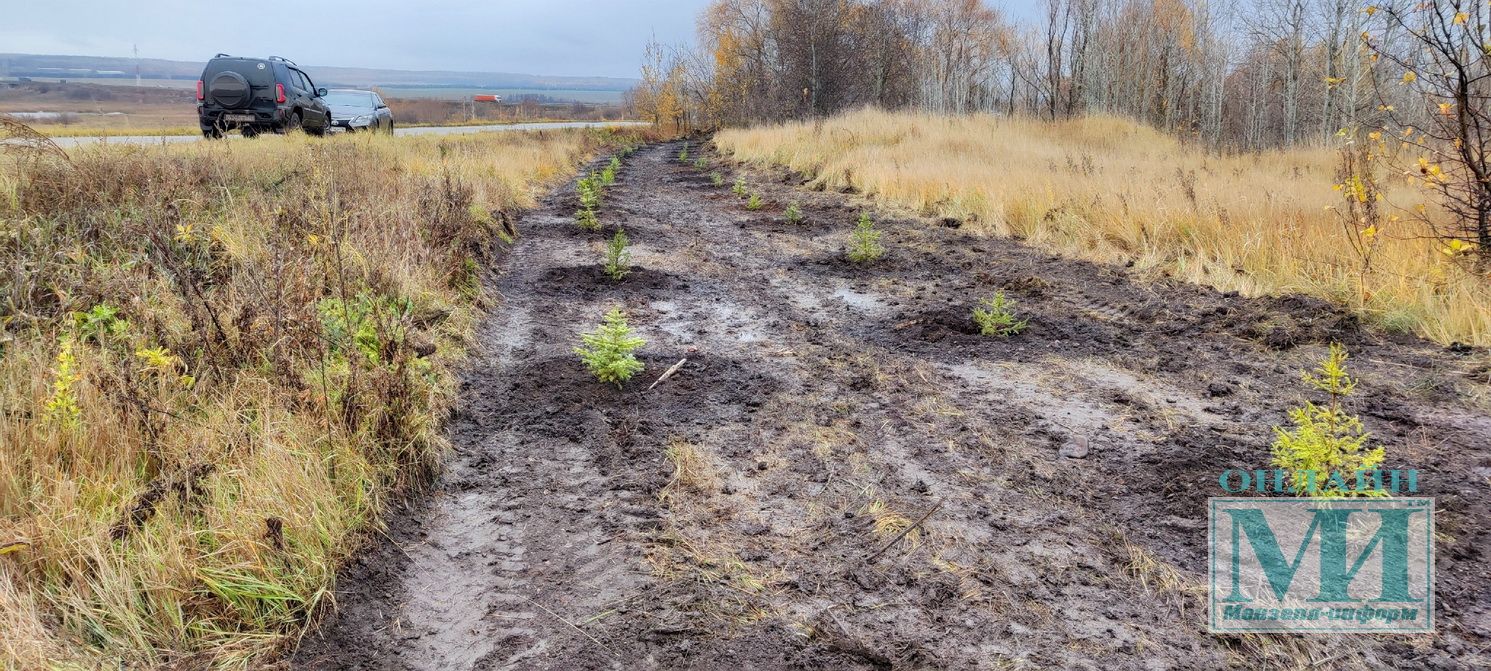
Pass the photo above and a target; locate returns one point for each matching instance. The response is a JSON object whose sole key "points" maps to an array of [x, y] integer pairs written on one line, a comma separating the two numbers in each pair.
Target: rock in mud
{"points": [[1076, 448]]}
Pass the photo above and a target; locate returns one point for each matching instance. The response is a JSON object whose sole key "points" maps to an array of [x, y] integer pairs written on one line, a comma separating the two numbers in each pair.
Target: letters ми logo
{"points": [[1322, 565]]}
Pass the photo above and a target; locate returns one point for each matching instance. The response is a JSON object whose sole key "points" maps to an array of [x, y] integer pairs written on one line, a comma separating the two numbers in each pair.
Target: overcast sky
{"points": [[540, 37]]}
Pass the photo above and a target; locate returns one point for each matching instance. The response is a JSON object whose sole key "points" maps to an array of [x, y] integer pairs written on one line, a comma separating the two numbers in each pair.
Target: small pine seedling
{"points": [[996, 317], [587, 220], [864, 242], [700, 163], [740, 187], [683, 154], [794, 213], [609, 350], [616, 163], [716, 178], [608, 176], [618, 259], [1325, 439], [590, 192], [754, 203]]}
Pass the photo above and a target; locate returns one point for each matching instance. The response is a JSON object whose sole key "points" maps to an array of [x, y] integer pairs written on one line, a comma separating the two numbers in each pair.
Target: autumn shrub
{"points": [[609, 351]]}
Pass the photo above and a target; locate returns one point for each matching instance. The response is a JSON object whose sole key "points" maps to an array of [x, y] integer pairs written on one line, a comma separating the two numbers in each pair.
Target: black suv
{"points": [[256, 95]]}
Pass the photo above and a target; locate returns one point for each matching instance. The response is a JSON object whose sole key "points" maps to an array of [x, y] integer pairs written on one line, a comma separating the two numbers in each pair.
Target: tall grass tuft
{"points": [[217, 363]]}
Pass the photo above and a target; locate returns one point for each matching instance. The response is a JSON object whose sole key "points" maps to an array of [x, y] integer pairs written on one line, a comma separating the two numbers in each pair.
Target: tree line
{"points": [[1234, 75], [1244, 74]]}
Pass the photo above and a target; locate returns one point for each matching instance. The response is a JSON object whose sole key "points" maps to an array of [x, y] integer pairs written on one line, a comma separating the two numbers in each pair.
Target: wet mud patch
{"points": [[708, 390], [591, 281], [949, 333], [1281, 322], [726, 517]]}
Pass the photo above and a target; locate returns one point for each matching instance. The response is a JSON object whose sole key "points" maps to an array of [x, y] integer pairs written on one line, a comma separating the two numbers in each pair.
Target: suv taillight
{"points": [[200, 95], [279, 93]]}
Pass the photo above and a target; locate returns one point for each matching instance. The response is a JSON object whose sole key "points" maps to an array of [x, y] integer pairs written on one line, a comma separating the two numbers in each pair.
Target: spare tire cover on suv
{"points": [[230, 90]]}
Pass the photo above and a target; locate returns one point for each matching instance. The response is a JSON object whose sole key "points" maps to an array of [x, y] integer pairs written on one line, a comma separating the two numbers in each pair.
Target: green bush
{"points": [[587, 220], [716, 178], [740, 187], [1326, 439], [589, 188], [754, 203], [609, 350], [683, 154], [996, 316], [700, 163], [864, 242], [618, 259], [794, 213]]}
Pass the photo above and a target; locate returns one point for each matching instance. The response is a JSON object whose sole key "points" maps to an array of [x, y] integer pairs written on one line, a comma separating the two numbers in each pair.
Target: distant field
{"points": [[80, 108], [442, 93], [435, 92]]}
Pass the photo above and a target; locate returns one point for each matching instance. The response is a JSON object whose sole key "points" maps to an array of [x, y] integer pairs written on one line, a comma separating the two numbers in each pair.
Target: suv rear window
{"points": [[257, 72]]}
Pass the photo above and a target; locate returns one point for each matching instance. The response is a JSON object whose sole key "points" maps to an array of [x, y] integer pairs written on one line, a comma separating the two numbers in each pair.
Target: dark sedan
{"points": [[353, 110]]}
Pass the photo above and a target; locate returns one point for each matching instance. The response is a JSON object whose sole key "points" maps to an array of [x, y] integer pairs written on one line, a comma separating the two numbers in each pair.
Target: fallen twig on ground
{"points": [[669, 373], [871, 559], [572, 626]]}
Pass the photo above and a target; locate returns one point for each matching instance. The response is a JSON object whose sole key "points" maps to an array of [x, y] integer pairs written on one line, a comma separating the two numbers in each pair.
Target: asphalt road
{"points": [[69, 142]]}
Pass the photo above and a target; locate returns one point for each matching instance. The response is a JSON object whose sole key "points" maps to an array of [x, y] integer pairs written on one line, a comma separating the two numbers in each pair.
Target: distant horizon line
{"points": [[631, 80]]}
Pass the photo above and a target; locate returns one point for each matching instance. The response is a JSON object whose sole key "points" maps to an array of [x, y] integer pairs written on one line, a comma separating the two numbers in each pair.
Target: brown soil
{"points": [[726, 519]]}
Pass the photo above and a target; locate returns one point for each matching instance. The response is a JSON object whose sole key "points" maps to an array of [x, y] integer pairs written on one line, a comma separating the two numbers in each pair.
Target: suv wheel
{"points": [[293, 124]]}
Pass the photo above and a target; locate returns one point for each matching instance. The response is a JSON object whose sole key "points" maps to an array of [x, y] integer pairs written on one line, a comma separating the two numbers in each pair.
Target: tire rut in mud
{"points": [[728, 518]]}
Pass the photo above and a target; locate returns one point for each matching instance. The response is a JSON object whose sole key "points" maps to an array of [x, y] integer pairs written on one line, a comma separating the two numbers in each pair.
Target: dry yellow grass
{"points": [[1113, 191], [216, 366]]}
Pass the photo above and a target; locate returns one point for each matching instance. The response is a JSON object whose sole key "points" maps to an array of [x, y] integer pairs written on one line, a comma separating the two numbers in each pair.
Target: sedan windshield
{"points": [[350, 99]]}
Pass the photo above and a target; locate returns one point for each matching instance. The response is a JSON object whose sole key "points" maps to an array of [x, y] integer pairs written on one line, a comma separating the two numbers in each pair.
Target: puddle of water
{"points": [[1038, 395], [707, 321], [859, 300], [1154, 392]]}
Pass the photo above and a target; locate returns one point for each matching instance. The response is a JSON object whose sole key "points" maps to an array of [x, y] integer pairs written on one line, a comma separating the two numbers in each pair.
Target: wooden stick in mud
{"points": [[572, 626], [669, 373], [871, 559]]}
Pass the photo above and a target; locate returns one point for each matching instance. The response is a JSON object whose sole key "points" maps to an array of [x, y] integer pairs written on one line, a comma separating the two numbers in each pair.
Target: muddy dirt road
{"points": [[729, 518]]}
